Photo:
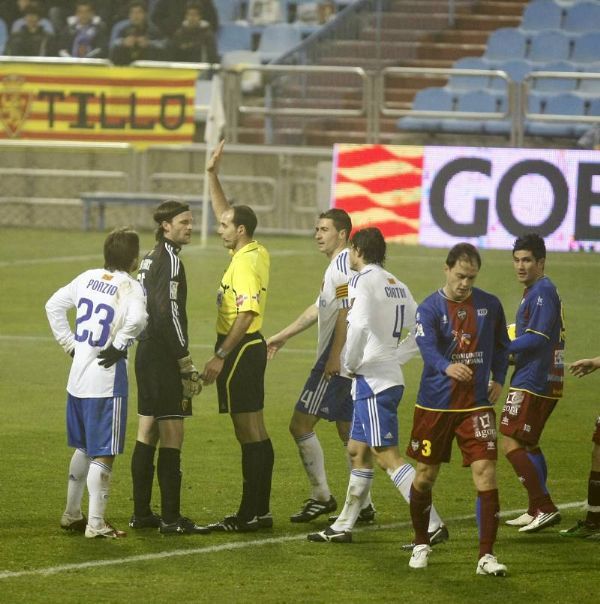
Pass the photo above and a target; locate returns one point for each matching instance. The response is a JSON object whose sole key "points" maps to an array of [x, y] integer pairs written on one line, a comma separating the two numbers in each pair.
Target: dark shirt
{"points": [[168, 14], [26, 43]]}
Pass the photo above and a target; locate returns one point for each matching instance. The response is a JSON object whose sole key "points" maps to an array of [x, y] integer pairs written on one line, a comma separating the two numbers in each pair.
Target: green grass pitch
{"points": [[39, 563]]}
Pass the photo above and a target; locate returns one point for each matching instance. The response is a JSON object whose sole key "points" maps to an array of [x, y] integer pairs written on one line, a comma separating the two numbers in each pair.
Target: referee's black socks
{"points": [[252, 459], [264, 489]]}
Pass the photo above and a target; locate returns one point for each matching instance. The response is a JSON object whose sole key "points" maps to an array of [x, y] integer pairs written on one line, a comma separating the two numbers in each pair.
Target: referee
{"points": [[166, 376], [240, 358]]}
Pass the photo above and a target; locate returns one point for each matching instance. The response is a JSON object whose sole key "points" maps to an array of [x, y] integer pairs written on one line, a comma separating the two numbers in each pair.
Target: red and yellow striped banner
{"points": [[380, 185], [96, 104]]}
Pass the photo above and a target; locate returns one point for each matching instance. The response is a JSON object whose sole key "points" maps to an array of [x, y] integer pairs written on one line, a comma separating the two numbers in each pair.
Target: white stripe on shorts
{"points": [[374, 421]]}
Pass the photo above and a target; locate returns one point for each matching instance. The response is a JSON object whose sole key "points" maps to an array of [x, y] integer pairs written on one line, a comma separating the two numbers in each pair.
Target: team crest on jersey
{"points": [[415, 445], [173, 286], [15, 104], [461, 314], [482, 312]]}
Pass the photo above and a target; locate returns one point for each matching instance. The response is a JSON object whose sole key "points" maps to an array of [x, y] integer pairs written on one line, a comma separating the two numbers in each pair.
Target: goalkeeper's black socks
{"points": [[168, 470], [142, 476]]}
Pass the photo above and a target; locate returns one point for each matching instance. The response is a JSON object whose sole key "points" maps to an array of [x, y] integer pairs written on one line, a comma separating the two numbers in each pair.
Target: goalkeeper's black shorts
{"points": [[160, 392]]}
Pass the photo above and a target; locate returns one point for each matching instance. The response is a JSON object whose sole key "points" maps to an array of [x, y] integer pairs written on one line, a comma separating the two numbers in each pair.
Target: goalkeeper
{"points": [[166, 377]]}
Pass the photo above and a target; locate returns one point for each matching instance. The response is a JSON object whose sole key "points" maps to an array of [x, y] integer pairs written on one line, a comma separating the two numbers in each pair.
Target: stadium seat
{"points": [[228, 10], [428, 99], [556, 84], [506, 43], [469, 82], [594, 108], [251, 80], [3, 36], [276, 40], [560, 104], [479, 101], [516, 70], [590, 86], [542, 15], [501, 126], [583, 16], [586, 48], [549, 46], [232, 36]]}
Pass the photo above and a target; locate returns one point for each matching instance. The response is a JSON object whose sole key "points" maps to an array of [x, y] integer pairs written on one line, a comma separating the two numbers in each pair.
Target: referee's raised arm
{"points": [[217, 196]]}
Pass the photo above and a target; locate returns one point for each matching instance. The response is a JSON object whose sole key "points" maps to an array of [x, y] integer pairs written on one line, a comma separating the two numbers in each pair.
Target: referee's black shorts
{"points": [[241, 383], [160, 392]]}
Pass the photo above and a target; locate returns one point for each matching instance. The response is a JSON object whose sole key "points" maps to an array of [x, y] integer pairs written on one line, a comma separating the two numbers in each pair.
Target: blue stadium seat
{"points": [[232, 36], [549, 46], [586, 48], [516, 70], [506, 43], [228, 10], [428, 99], [479, 101], [591, 87], [501, 126], [583, 16], [560, 104], [556, 84], [3, 36], [276, 40], [594, 108], [469, 82], [542, 15]]}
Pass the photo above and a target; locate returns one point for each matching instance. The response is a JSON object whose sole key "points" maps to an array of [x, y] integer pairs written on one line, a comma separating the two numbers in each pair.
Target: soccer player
{"points": [[461, 332], [239, 362], [326, 393], [382, 306], [536, 383], [166, 376], [590, 527], [110, 313]]}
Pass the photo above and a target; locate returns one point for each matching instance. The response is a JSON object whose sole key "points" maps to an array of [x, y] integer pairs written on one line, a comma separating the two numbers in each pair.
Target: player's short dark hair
{"points": [[137, 3], [370, 244], [245, 216], [166, 211], [340, 218], [121, 248], [89, 3], [465, 252], [532, 242]]}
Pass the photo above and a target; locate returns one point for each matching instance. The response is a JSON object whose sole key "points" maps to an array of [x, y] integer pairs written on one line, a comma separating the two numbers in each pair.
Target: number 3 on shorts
{"points": [[426, 448]]}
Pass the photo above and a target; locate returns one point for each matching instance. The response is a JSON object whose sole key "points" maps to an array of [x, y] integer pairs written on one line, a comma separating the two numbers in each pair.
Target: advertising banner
{"points": [[96, 103], [487, 196]]}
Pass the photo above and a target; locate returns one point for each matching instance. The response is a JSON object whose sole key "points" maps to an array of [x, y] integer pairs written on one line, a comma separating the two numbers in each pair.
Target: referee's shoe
{"points": [[182, 526], [233, 524]]}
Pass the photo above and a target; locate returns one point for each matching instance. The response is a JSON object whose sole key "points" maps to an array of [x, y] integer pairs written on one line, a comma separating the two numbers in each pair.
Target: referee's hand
{"points": [[212, 370]]}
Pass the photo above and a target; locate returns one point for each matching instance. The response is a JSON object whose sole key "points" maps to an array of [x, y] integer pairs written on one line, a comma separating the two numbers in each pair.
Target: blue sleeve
{"points": [[426, 336], [543, 312], [529, 341]]}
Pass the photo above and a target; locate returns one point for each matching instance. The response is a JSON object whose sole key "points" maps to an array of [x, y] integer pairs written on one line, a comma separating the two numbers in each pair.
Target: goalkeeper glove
{"points": [[110, 356], [190, 377]]}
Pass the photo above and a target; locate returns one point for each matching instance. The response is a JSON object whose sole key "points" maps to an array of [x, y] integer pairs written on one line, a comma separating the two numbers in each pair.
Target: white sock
{"points": [[98, 484], [358, 488], [403, 477], [78, 471], [367, 501], [313, 459]]}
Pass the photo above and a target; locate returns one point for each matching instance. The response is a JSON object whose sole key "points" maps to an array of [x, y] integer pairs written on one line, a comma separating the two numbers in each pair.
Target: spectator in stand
{"points": [[85, 35], [58, 11], [137, 38], [194, 41], [22, 6], [32, 40], [168, 14]]}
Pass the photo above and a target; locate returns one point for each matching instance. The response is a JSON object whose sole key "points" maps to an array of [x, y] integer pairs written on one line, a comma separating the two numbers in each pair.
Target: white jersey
{"points": [[111, 309], [381, 308], [333, 297]]}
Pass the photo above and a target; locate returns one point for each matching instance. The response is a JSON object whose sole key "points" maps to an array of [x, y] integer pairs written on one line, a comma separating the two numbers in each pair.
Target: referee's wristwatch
{"points": [[221, 354]]}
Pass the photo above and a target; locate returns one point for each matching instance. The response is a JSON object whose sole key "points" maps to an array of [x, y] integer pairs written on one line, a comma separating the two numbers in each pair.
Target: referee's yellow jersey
{"points": [[244, 287]]}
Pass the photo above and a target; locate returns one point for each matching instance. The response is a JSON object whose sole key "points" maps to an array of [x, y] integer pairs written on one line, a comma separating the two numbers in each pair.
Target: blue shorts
{"points": [[375, 420], [327, 399], [97, 425]]}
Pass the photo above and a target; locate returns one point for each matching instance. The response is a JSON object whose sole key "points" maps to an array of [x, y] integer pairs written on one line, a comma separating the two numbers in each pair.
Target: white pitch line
{"points": [[211, 549]]}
